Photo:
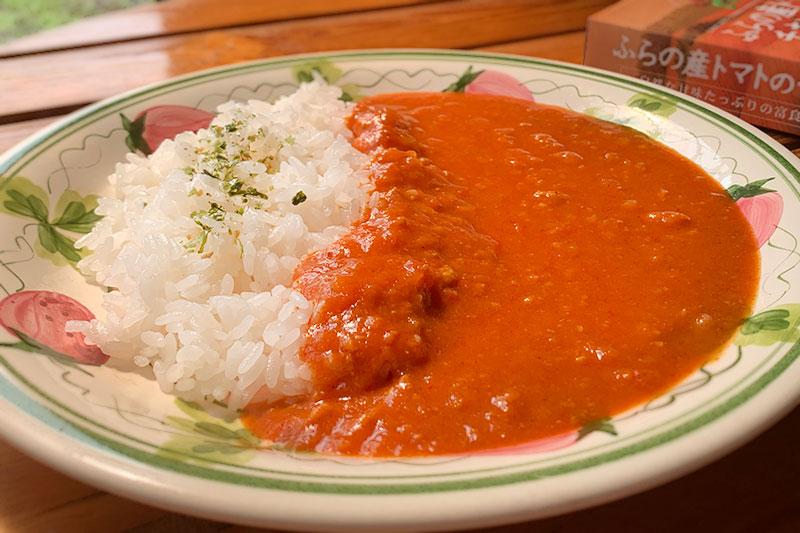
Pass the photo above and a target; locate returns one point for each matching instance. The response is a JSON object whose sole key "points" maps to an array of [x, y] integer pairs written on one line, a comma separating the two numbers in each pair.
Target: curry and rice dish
{"points": [[417, 273]]}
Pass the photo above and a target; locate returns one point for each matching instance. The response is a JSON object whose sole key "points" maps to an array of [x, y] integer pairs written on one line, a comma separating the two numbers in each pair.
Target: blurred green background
{"points": [[23, 17]]}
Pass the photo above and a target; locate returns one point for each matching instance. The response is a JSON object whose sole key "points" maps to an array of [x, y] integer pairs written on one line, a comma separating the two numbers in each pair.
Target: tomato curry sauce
{"points": [[521, 271]]}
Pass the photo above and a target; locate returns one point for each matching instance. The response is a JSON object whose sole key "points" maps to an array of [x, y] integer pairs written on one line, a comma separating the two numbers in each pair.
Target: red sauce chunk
{"points": [[521, 271]]}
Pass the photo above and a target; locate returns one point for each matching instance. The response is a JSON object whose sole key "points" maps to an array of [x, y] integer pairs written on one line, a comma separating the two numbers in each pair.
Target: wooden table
{"points": [[47, 75]]}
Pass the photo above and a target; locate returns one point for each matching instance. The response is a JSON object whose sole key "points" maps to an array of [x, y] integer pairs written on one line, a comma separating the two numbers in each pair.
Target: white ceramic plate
{"points": [[117, 431]]}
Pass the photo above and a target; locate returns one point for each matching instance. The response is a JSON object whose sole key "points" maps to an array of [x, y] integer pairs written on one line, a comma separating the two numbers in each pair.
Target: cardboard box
{"points": [[742, 56]]}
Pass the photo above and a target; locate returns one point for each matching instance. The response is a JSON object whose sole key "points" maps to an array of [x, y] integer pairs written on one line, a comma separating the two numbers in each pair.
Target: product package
{"points": [[742, 56]]}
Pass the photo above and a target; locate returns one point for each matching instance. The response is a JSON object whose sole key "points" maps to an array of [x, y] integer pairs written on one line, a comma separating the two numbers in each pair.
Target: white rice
{"points": [[219, 320]]}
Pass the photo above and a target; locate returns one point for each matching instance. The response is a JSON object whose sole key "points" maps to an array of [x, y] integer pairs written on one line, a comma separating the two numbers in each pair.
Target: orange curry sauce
{"points": [[522, 271]]}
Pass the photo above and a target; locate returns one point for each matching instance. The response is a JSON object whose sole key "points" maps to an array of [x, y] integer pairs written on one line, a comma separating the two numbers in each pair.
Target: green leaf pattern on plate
{"points": [[461, 83], [658, 105], [603, 425], [203, 436], [135, 128], [72, 214], [779, 324], [330, 73]]}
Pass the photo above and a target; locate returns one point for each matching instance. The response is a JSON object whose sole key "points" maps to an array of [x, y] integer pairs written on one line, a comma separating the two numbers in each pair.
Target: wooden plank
{"points": [[182, 16], [36, 85], [11, 134], [24, 481], [35, 498], [113, 512], [790, 141], [564, 47], [173, 522]]}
